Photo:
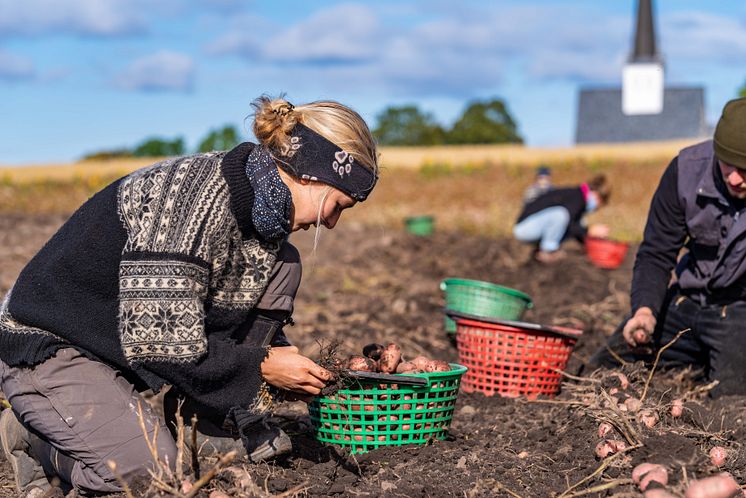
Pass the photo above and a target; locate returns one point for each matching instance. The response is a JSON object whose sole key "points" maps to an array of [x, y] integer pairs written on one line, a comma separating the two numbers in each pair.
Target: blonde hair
{"points": [[275, 118]]}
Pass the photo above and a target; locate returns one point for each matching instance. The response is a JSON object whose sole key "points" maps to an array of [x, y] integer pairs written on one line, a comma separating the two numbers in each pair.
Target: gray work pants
{"points": [[88, 412]]}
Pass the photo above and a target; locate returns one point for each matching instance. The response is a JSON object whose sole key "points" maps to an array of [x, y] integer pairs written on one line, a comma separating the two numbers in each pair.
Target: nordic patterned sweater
{"points": [[152, 275]]}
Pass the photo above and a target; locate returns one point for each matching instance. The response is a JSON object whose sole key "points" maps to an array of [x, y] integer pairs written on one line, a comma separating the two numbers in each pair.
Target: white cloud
{"points": [[81, 17], [467, 49], [245, 45], [161, 71], [341, 34], [14, 67], [463, 50]]}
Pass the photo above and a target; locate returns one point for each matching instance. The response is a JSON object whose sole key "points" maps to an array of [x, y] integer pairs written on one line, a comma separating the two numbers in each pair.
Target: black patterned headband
{"points": [[313, 157]]}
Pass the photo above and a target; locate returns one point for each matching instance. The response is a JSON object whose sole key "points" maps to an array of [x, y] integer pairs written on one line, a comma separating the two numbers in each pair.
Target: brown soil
{"points": [[365, 285]]}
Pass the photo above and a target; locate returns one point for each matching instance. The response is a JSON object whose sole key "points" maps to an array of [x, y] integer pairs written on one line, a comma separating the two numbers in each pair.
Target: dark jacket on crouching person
{"points": [[692, 209], [153, 276], [570, 198]]}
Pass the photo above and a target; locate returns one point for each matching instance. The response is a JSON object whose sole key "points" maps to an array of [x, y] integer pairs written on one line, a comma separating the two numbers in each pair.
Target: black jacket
{"points": [[570, 198]]}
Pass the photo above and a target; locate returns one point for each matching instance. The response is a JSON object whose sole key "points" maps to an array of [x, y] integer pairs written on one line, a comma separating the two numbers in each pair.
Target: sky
{"points": [[79, 76]]}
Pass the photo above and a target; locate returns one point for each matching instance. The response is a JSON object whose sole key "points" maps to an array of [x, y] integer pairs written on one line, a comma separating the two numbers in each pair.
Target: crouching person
{"points": [[699, 205], [178, 274]]}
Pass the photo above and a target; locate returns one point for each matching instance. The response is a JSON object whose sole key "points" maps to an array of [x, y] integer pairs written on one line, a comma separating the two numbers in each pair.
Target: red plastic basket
{"points": [[606, 253], [512, 358]]}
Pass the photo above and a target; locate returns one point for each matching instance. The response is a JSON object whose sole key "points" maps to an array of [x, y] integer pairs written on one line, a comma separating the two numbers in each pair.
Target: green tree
{"points": [[158, 147], [105, 155], [407, 125], [484, 122], [742, 91], [224, 138]]}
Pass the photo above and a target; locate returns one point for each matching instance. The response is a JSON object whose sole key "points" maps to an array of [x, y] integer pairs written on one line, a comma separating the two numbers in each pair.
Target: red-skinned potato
{"points": [[438, 366], [604, 429], [608, 447], [677, 408], [719, 486], [648, 418], [641, 337], [641, 470], [633, 404], [406, 367], [718, 455], [390, 358], [658, 493], [646, 473], [421, 362], [361, 363]]}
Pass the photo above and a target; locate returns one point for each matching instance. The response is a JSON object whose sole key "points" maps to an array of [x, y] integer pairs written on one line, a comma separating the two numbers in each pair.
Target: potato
{"points": [[646, 473], [437, 366], [718, 455], [677, 408], [608, 447], [373, 351], [604, 429], [421, 362], [658, 493], [406, 367], [390, 358], [641, 470], [648, 418], [641, 337], [719, 486], [361, 363], [186, 486], [633, 404]]}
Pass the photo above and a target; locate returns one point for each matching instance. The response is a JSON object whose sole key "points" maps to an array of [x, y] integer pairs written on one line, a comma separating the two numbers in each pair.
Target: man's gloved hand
{"points": [[639, 329]]}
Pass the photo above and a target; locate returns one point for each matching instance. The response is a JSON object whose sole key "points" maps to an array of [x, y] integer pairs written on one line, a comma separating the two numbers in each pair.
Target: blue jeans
{"points": [[547, 227], [715, 343]]}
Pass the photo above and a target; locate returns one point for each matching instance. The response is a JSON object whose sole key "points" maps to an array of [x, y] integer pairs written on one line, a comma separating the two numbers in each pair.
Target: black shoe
{"points": [[265, 441], [28, 472]]}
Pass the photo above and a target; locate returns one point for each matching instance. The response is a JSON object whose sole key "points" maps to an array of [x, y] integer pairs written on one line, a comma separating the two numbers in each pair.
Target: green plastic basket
{"points": [[484, 299], [370, 414], [420, 225]]}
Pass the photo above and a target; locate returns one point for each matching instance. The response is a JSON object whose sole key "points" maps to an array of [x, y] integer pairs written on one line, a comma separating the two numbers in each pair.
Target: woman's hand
{"points": [[285, 369], [598, 231], [639, 329]]}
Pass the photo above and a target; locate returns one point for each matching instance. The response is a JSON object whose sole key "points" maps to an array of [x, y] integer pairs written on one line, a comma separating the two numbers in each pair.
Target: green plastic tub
{"points": [[420, 225], [485, 299], [368, 414]]}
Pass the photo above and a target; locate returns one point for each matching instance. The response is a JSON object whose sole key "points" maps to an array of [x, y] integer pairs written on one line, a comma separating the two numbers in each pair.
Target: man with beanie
{"points": [[700, 205]]}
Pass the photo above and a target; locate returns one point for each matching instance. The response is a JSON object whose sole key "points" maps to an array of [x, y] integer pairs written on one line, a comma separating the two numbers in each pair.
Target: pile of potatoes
{"points": [[377, 358], [364, 417], [651, 478]]}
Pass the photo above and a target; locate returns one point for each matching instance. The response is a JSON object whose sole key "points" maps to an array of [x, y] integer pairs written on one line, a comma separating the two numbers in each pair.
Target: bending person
{"points": [[558, 214], [181, 274]]}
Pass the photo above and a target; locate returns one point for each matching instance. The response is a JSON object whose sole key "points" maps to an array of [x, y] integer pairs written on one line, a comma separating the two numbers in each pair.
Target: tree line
{"points": [[481, 122]]}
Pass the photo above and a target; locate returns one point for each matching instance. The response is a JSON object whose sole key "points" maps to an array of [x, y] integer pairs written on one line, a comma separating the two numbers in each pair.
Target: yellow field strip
{"points": [[391, 157]]}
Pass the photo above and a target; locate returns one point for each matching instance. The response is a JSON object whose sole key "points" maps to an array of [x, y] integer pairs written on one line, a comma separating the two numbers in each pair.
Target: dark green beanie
{"points": [[730, 134]]}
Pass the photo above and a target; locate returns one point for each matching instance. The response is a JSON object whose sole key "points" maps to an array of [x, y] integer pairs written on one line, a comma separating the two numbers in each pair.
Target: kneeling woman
{"points": [[179, 273], [558, 214]]}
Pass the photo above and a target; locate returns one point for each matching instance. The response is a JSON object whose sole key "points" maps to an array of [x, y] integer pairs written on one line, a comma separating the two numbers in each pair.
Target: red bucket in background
{"points": [[510, 358], [606, 253]]}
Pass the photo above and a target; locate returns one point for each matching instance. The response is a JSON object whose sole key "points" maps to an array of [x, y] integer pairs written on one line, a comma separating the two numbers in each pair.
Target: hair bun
{"points": [[273, 120], [284, 109]]}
